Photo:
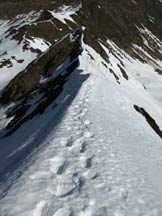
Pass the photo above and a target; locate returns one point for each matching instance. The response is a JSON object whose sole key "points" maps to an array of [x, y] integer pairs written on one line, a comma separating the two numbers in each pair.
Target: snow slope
{"points": [[102, 158], [64, 13]]}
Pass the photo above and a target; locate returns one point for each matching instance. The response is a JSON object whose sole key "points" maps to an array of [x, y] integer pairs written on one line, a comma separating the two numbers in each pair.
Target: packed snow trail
{"points": [[61, 168], [102, 159]]}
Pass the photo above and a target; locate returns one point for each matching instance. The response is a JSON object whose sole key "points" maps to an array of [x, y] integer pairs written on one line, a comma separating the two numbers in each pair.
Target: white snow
{"points": [[103, 158], [57, 164], [8, 73], [63, 212], [38, 210], [65, 12], [39, 43]]}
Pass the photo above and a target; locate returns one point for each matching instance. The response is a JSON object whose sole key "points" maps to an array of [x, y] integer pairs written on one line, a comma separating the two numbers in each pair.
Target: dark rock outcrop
{"points": [[105, 19], [29, 80]]}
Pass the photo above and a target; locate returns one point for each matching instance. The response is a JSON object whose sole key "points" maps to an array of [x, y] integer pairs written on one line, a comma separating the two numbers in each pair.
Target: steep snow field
{"points": [[103, 158]]}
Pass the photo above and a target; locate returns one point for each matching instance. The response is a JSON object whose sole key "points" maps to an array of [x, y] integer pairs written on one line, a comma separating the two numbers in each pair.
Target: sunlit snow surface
{"points": [[65, 12], [102, 158]]}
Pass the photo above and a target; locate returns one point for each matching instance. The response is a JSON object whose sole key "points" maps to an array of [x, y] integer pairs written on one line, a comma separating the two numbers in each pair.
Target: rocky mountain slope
{"points": [[80, 107]]}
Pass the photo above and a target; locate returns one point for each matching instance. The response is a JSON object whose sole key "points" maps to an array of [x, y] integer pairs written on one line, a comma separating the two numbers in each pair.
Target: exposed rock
{"points": [[107, 19], [29, 79]]}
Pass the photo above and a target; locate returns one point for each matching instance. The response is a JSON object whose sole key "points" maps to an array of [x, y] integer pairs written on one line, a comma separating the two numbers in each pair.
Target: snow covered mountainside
{"points": [[81, 108]]}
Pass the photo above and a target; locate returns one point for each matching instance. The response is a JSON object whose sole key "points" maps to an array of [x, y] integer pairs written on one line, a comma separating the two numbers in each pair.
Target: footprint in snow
{"points": [[67, 185], [79, 145], [88, 135], [66, 141], [93, 211], [90, 174], [83, 147], [64, 212], [75, 118], [79, 133], [58, 164], [123, 193], [87, 123], [83, 113], [86, 161], [39, 208]]}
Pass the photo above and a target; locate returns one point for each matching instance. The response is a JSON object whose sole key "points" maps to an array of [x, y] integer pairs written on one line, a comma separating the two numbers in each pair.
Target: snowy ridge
{"points": [[86, 138], [89, 165]]}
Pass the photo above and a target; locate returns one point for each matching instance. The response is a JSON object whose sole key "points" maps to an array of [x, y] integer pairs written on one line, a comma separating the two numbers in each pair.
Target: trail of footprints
{"points": [[71, 168], [77, 141]]}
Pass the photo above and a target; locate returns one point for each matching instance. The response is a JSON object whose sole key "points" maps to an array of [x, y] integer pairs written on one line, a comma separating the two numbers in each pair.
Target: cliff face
{"points": [[29, 80]]}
